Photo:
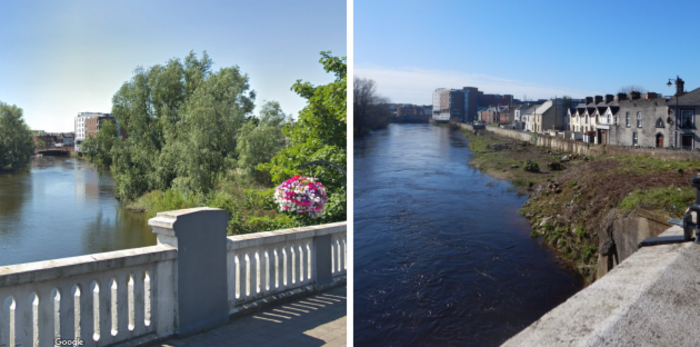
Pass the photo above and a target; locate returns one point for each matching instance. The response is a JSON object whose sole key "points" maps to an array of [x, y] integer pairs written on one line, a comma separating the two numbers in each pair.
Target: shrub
{"points": [[531, 166]]}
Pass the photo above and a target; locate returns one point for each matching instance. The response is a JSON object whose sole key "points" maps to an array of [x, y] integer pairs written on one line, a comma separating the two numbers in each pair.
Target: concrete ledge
{"points": [[650, 299], [283, 236], [14, 275]]}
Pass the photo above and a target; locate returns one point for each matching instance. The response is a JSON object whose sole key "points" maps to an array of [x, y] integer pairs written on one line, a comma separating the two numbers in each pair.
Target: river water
{"points": [[440, 258], [58, 207]]}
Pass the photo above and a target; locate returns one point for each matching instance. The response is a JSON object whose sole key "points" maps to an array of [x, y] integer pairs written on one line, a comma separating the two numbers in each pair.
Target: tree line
{"points": [[193, 140], [16, 144], [370, 110]]}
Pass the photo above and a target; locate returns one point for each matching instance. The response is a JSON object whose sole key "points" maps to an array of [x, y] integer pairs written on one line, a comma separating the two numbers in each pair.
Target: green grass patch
{"points": [[645, 164], [672, 200]]}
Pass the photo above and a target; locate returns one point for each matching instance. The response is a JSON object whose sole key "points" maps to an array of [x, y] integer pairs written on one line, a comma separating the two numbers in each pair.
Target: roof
{"points": [[687, 99]]}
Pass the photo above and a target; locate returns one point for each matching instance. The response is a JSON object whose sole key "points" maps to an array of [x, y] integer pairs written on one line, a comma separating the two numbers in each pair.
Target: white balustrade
{"points": [[264, 264], [139, 295], [101, 299]]}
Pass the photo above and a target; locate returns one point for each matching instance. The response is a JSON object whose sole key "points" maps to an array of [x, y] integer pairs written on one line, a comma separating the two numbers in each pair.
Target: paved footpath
{"points": [[316, 320]]}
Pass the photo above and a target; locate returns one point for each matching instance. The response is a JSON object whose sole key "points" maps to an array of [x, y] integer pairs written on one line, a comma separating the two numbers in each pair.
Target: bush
{"points": [[531, 166]]}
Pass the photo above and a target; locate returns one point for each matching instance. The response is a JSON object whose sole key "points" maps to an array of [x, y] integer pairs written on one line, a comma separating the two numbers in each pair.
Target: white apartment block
{"points": [[80, 130]]}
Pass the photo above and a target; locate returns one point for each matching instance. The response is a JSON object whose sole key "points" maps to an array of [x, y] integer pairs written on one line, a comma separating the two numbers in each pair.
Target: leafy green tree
{"points": [[320, 133], [261, 138], [183, 122], [16, 143], [98, 148]]}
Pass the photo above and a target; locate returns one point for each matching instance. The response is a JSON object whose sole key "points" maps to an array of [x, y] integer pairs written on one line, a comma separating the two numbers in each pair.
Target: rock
{"points": [[544, 221], [558, 190], [514, 166], [555, 165]]}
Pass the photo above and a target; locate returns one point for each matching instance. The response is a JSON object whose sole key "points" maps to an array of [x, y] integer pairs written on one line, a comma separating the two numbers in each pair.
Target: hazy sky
{"points": [[59, 58], [534, 48]]}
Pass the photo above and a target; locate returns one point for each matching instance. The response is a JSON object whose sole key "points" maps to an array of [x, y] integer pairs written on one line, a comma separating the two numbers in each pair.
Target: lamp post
{"points": [[675, 112]]}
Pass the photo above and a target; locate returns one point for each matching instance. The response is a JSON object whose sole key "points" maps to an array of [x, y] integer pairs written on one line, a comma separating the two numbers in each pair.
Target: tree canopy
{"points": [[193, 141], [16, 144], [320, 133], [370, 110]]}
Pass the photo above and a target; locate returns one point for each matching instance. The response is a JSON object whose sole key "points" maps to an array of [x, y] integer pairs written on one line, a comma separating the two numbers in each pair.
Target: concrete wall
{"points": [[650, 299], [589, 149]]}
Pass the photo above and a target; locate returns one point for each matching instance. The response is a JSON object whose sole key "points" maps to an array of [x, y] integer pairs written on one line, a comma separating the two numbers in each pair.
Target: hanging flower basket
{"points": [[302, 195]]}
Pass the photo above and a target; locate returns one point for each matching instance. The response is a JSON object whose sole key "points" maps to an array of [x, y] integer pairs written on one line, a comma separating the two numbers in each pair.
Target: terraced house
{"points": [[644, 120]]}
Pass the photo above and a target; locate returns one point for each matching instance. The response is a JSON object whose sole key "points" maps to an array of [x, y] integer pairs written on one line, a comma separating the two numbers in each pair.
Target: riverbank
{"points": [[576, 201]]}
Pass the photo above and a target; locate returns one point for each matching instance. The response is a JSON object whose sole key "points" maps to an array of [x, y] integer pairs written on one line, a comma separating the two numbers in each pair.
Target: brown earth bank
{"points": [[582, 206]]}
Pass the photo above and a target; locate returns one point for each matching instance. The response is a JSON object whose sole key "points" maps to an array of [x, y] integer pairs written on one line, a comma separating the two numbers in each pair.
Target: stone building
{"points": [[684, 109]]}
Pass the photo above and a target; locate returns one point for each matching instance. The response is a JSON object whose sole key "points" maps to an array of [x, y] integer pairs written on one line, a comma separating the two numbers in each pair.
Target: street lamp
{"points": [[675, 112]]}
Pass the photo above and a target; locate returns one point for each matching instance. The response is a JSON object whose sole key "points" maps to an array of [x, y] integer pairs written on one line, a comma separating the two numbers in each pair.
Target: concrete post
{"points": [[202, 290], [322, 260]]}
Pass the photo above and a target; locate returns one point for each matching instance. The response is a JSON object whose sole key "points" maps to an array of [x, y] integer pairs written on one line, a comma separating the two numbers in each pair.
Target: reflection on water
{"points": [[58, 207], [439, 257]]}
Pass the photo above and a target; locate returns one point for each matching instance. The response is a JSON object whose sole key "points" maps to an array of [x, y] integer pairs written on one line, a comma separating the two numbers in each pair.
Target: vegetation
{"points": [[672, 200], [193, 141], [16, 144], [570, 208], [370, 111]]}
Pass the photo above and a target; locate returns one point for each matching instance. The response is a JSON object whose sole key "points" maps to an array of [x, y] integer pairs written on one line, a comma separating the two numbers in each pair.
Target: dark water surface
{"points": [[440, 258], [58, 207]]}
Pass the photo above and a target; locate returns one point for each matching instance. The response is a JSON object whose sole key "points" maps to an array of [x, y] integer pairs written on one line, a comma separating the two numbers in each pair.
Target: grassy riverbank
{"points": [[570, 207]]}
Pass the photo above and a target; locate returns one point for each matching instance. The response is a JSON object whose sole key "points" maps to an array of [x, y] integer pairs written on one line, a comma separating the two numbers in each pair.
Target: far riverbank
{"points": [[575, 200]]}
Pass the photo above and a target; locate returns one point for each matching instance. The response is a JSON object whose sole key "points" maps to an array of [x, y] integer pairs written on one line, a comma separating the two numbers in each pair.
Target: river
{"points": [[441, 254], [59, 207]]}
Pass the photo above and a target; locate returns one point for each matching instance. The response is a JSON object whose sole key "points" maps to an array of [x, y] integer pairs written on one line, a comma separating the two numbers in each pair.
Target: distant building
{"points": [[465, 103], [81, 126], [88, 123]]}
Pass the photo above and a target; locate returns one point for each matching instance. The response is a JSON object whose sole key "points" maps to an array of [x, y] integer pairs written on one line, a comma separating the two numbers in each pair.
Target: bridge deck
{"points": [[317, 320]]}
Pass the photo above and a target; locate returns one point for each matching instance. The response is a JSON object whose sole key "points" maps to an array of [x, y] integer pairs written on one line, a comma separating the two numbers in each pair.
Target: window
{"points": [[609, 122], [586, 119], [687, 142], [627, 117], [639, 119], [635, 139], [686, 118], [659, 123]]}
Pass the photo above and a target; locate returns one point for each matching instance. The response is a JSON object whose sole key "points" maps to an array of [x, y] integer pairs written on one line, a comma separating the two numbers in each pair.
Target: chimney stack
{"points": [[598, 99], [589, 100], [621, 96], [679, 86], [650, 96], [635, 95], [609, 98]]}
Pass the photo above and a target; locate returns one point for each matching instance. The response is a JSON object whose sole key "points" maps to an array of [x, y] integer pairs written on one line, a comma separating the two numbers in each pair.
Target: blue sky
{"points": [[534, 48], [64, 57]]}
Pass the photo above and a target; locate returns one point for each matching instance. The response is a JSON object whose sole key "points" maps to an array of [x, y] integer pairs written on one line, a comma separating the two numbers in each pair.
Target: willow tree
{"points": [[16, 144], [183, 122]]}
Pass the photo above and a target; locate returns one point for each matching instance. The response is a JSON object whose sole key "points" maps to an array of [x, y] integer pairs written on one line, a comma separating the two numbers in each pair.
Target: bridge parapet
{"points": [[191, 281], [650, 299]]}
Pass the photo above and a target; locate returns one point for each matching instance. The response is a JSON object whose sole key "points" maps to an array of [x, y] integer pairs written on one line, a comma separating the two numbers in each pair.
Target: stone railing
{"points": [[102, 298], [265, 264], [191, 281], [649, 299]]}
